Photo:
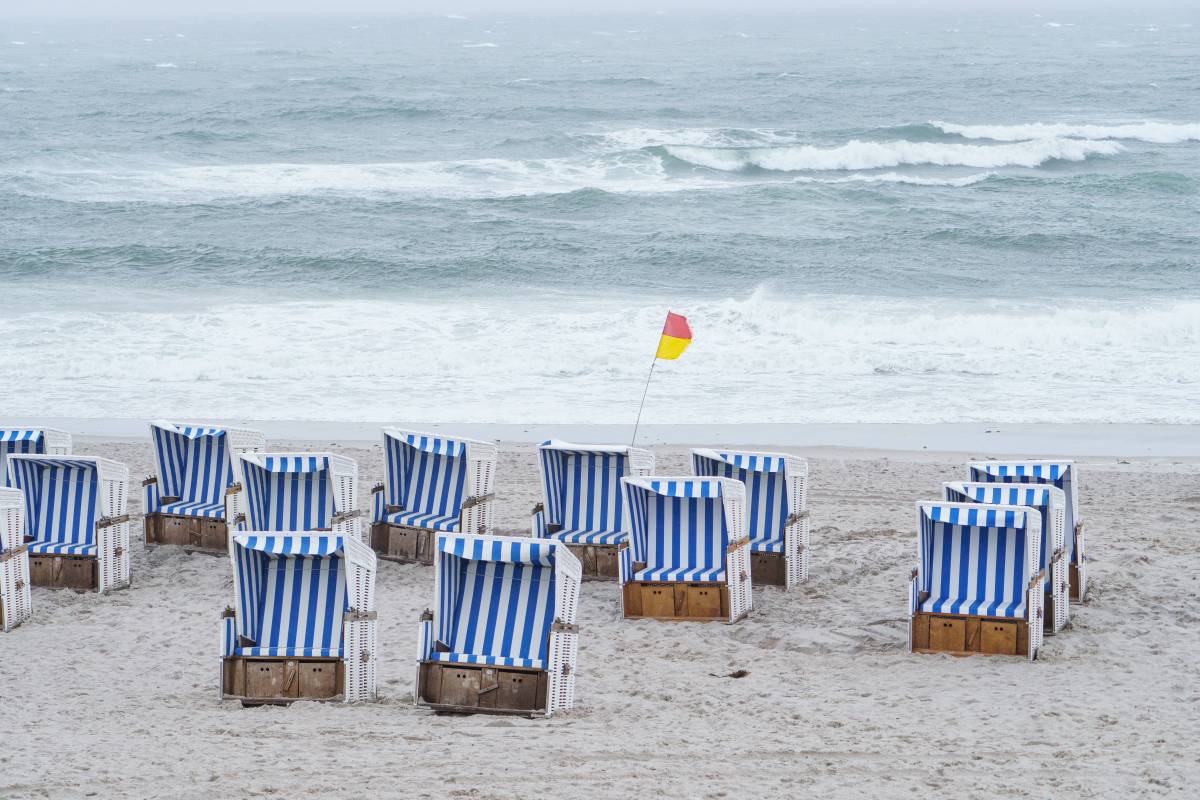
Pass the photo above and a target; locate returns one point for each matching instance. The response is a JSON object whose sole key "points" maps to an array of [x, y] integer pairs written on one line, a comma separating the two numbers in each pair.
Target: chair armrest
{"points": [[108, 522], [377, 488], [794, 518], [538, 522], [150, 480], [475, 501], [342, 516]]}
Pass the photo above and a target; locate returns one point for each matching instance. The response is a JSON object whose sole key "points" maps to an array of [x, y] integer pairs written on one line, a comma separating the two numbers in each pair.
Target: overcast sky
{"points": [[205, 8]]}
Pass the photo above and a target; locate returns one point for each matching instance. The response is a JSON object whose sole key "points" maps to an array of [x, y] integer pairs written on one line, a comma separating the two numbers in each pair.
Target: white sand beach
{"points": [[116, 696]]}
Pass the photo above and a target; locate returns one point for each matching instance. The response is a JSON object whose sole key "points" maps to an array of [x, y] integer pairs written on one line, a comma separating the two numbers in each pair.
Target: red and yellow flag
{"points": [[676, 336]]}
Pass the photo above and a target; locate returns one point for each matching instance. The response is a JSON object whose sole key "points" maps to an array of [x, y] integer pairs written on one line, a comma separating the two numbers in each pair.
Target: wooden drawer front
{"points": [[998, 637], [318, 679], [402, 544], [177, 531], [266, 679], [517, 690], [459, 687], [703, 600], [658, 600], [213, 535], [43, 570], [768, 569], [947, 633]]}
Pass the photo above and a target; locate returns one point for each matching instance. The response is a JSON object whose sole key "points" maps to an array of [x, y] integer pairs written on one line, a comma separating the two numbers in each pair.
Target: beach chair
{"points": [[776, 509], [1062, 475], [434, 484], [303, 626], [76, 520], [977, 587], [299, 492], [688, 554], [16, 602], [502, 638], [1050, 502], [187, 502], [582, 500], [35, 441]]}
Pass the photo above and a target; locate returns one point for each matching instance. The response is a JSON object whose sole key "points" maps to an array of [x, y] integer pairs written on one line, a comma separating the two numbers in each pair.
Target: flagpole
{"points": [[633, 441]]}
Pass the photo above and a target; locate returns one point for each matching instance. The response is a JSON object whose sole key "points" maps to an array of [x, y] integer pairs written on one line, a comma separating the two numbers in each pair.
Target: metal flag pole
{"points": [[633, 441]]}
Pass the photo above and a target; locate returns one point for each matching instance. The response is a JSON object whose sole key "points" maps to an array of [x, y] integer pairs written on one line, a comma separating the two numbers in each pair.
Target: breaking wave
{"points": [[1154, 132]]}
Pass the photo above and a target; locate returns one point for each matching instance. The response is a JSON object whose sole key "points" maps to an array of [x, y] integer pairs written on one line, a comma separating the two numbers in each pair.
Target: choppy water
{"points": [[485, 220]]}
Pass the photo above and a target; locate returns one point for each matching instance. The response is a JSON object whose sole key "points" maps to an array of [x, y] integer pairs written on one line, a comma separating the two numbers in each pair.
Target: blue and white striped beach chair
{"points": [[188, 501], [434, 484], [582, 500], [977, 587], [34, 441], [16, 602], [76, 520], [1063, 475], [303, 626], [776, 509], [1051, 503], [688, 554], [502, 637], [300, 492]]}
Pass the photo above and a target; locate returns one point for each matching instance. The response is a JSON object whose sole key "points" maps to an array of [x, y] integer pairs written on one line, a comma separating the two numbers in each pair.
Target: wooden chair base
{"points": [[81, 573], [962, 635], [194, 534], [683, 601], [599, 561], [403, 545], [768, 569], [1075, 588], [280, 681], [481, 689]]}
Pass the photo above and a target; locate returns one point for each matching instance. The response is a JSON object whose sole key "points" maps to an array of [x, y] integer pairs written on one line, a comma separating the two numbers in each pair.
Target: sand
{"points": [[117, 696]]}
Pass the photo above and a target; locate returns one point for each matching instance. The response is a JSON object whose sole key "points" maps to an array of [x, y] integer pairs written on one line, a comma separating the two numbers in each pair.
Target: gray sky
{"points": [[205, 8]]}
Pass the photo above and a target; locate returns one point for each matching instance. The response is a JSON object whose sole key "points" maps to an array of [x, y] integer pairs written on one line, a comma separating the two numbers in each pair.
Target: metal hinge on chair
{"points": [[108, 522], [150, 480], [233, 488], [377, 488], [558, 626], [538, 508], [365, 657]]}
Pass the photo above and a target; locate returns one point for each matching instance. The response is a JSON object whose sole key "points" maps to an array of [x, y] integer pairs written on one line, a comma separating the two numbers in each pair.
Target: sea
{"points": [[936, 218]]}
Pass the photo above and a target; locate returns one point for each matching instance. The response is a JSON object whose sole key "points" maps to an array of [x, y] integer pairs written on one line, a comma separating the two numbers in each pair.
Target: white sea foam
{"points": [[167, 65], [760, 358], [481, 44], [896, 177], [861, 155], [1149, 131]]}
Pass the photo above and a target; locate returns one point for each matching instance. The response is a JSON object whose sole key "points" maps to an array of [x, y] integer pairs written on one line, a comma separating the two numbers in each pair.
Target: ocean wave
{"points": [[1154, 132], [864, 155], [827, 359]]}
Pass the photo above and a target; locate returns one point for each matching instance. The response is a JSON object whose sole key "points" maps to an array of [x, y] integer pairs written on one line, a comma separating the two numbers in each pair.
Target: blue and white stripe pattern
{"points": [[195, 465], [1056, 473], [495, 600], [62, 502], [1038, 497], [18, 440], [426, 480], [678, 529], [767, 500], [976, 560], [288, 493], [581, 487], [292, 595]]}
